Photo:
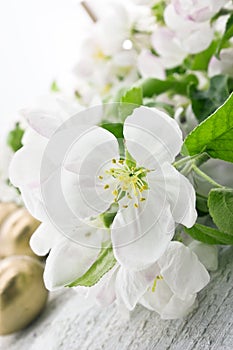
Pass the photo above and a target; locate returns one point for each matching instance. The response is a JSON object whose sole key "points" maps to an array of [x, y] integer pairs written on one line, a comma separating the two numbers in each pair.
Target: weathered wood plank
{"points": [[66, 324]]}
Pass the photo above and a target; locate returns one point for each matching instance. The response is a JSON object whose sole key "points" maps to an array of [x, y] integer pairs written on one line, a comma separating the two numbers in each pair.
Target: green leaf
{"points": [[129, 101], [129, 160], [209, 235], [101, 266], [161, 105], [201, 60], [179, 85], [54, 87], [201, 204], [109, 215], [214, 135], [205, 102], [14, 138], [227, 34], [117, 130], [220, 204]]}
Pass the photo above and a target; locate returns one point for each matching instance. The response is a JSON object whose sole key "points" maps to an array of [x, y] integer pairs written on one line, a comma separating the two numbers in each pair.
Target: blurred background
{"points": [[39, 41]]}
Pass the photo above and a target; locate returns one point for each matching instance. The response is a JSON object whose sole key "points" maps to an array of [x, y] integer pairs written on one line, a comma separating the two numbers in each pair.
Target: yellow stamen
{"points": [[106, 187], [115, 193]]}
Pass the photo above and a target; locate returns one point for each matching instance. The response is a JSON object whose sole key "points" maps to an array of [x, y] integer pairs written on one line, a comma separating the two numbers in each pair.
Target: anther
{"points": [[101, 177], [136, 205], [115, 192], [142, 199], [106, 187], [114, 161]]}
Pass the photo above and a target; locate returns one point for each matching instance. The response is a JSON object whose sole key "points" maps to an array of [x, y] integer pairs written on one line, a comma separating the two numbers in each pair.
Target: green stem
{"points": [[205, 176], [197, 159]]}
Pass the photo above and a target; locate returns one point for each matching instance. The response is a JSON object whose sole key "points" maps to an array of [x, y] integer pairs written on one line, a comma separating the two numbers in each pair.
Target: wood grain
{"points": [[68, 325]]}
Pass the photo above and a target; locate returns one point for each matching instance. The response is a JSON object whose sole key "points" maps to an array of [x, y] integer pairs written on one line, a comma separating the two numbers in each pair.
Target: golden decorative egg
{"points": [[22, 292], [16, 229]]}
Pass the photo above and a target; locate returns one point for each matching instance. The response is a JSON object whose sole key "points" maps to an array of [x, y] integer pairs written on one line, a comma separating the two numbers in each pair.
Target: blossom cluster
{"points": [[130, 212]]}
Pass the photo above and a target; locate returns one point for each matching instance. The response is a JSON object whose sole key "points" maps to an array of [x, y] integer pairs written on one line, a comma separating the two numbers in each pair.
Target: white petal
{"points": [[189, 33], [45, 238], [178, 308], [66, 262], [25, 165], [164, 41], [207, 254], [196, 41], [150, 66], [104, 290], [198, 10], [182, 270], [141, 235], [131, 285], [157, 299], [90, 156], [41, 121], [146, 132], [180, 192], [169, 306]]}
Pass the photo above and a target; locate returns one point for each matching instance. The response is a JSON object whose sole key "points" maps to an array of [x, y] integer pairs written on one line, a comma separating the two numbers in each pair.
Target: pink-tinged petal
{"points": [[189, 33], [41, 121], [146, 132], [165, 42], [150, 65], [198, 10], [104, 290]]}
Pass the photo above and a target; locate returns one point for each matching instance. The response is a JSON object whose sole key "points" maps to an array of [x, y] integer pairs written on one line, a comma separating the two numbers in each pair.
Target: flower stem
{"points": [[205, 176], [198, 159]]}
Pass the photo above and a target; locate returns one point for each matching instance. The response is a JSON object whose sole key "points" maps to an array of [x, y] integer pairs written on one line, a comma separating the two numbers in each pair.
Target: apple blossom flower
{"points": [[193, 37], [198, 10], [109, 53], [169, 286], [180, 276], [150, 193]]}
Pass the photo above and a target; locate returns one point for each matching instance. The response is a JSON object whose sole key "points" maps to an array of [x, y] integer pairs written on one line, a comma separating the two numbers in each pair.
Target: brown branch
{"points": [[89, 11]]}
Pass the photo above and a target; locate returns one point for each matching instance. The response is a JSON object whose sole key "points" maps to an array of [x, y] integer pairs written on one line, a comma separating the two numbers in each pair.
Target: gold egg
{"points": [[22, 292], [16, 229]]}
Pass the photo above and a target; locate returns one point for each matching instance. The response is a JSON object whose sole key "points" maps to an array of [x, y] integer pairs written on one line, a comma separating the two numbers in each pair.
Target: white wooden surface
{"points": [[63, 326]]}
